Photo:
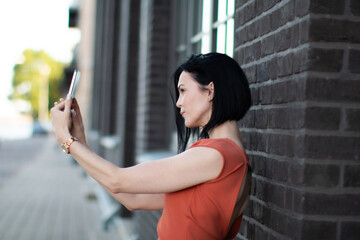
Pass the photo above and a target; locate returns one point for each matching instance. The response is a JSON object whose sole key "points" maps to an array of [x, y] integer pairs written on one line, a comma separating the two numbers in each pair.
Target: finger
{"points": [[61, 99], [68, 103], [76, 107], [59, 106]]}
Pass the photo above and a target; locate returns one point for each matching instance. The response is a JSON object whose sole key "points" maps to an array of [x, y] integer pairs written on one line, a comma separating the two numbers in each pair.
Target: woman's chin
{"points": [[191, 125]]}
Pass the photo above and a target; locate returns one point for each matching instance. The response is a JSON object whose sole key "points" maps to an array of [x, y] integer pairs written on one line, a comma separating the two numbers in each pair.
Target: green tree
{"points": [[37, 73]]}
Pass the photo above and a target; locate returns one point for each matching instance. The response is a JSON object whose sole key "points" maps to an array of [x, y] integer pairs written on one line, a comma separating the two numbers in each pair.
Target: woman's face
{"points": [[194, 102]]}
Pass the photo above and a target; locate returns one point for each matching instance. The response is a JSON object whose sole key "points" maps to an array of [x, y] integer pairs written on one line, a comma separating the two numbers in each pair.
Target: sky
{"points": [[34, 24]]}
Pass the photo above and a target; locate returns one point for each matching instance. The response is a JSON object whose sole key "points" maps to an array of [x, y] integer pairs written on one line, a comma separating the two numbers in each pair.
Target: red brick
{"points": [[265, 94], [260, 119], [321, 175], [300, 59], [262, 72], [268, 45], [280, 144], [331, 147], [264, 24], [249, 11], [252, 31], [327, 7], [355, 7], [278, 221], [295, 35], [239, 3], [302, 7], [286, 118], [313, 229], [322, 118], [250, 73], [354, 61], [351, 176], [325, 60], [350, 230], [354, 31], [287, 12], [289, 91], [285, 65], [352, 119], [332, 90], [331, 204], [269, 4], [335, 30], [275, 19]]}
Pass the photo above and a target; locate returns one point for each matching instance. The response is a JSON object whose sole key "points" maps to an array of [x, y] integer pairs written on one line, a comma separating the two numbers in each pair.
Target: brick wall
{"points": [[303, 132]]}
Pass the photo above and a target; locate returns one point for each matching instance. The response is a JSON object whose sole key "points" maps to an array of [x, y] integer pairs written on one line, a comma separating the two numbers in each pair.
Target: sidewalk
{"points": [[46, 196]]}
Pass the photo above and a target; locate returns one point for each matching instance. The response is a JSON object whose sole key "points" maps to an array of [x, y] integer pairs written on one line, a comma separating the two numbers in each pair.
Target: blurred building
{"points": [[302, 134]]}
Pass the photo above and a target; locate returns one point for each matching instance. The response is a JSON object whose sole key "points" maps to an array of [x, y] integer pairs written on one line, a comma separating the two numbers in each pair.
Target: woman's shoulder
{"points": [[225, 146], [233, 156], [225, 143]]}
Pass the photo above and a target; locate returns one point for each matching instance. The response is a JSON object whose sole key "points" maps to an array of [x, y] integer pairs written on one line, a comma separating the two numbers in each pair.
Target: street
{"points": [[44, 195]]}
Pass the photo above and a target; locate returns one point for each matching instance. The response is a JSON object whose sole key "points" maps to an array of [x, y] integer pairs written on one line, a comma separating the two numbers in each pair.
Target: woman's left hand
{"points": [[60, 116], [77, 127]]}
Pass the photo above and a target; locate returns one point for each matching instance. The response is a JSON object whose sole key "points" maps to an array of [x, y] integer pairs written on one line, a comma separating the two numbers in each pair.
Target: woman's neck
{"points": [[229, 130]]}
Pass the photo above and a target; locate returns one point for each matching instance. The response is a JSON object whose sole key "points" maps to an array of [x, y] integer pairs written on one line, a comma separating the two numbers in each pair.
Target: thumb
{"points": [[68, 103]]}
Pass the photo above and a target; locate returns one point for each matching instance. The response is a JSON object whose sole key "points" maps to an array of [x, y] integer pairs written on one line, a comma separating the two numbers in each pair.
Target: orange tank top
{"points": [[203, 212]]}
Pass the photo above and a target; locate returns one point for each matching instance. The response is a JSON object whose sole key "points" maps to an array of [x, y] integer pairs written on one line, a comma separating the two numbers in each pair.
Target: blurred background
{"points": [[302, 134], [37, 46], [43, 194]]}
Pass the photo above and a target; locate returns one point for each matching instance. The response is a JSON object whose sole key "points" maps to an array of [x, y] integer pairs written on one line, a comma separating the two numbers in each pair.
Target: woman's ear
{"points": [[211, 91]]}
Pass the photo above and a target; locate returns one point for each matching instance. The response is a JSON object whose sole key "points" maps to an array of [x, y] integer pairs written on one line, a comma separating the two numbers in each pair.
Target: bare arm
{"points": [[138, 201], [143, 182], [166, 175]]}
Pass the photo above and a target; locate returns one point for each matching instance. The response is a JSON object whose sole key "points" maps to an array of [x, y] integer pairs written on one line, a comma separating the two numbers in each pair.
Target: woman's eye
{"points": [[182, 90]]}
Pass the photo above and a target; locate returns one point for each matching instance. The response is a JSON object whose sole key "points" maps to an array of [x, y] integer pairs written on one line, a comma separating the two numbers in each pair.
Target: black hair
{"points": [[232, 97]]}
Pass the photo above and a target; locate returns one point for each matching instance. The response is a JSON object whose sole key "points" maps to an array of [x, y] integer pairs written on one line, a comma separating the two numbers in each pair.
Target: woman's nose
{"points": [[178, 103]]}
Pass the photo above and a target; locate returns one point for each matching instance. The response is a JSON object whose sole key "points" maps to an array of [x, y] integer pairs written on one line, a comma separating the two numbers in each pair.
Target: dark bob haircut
{"points": [[232, 97]]}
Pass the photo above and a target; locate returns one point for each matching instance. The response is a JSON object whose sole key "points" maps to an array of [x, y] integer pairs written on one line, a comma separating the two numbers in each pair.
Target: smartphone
{"points": [[74, 83]]}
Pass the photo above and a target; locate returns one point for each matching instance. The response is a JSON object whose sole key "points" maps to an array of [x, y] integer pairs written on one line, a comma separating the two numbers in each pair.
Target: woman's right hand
{"points": [[77, 127]]}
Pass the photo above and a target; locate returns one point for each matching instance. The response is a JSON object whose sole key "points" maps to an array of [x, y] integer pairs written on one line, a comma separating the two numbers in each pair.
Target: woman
{"points": [[203, 191]]}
